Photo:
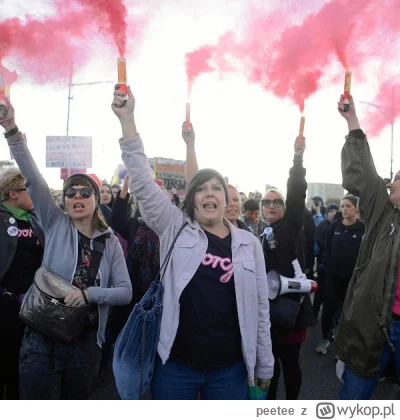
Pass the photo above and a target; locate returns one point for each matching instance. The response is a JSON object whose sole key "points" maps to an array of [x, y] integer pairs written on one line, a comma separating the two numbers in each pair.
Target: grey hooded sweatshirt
{"points": [[61, 238]]}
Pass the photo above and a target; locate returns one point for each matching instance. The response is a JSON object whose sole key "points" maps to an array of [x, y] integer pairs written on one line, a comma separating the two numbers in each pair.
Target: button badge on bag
{"points": [[11, 220]]}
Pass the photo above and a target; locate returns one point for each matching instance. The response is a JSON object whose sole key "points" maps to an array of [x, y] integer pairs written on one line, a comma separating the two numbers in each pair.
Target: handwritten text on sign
{"points": [[68, 152]]}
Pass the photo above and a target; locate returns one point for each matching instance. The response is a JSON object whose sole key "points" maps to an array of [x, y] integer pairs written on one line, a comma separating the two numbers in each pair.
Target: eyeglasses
{"points": [[278, 202], [17, 190], [84, 192]]}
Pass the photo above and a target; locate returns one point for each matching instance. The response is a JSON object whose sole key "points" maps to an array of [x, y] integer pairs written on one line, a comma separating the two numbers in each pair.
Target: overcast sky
{"points": [[242, 131]]}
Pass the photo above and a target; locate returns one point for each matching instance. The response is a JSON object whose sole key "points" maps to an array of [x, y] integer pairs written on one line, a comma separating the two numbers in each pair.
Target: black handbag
{"points": [[43, 309], [283, 310], [291, 312]]}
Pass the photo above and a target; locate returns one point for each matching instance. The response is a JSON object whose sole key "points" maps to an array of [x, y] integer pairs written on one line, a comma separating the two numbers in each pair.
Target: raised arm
{"points": [[296, 187], [47, 211], [358, 170], [191, 166], [155, 206]]}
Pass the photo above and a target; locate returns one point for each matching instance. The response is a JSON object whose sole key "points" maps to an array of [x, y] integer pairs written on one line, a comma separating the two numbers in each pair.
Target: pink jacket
{"points": [[248, 266]]}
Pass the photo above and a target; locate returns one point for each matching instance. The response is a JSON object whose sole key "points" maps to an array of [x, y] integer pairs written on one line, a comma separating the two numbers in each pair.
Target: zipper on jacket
{"points": [[391, 289], [76, 248]]}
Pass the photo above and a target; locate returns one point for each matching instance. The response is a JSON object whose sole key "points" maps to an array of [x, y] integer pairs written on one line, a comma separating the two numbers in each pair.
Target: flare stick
{"points": [[187, 121], [122, 79], [3, 95], [347, 87], [302, 122]]}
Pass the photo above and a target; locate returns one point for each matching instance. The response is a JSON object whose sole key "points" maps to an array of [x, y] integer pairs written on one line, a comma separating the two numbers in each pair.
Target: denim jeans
{"points": [[356, 387], [53, 370], [179, 381]]}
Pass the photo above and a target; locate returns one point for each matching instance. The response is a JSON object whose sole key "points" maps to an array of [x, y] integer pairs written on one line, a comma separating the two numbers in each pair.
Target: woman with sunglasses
{"points": [[281, 243], [53, 369], [21, 254], [215, 329]]}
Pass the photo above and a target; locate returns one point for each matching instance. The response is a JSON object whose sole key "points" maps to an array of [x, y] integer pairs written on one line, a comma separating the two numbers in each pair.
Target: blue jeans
{"points": [[179, 381], [53, 370], [358, 388]]}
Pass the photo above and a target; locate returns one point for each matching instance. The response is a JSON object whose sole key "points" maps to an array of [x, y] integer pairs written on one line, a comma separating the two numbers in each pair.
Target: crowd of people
{"points": [[220, 330]]}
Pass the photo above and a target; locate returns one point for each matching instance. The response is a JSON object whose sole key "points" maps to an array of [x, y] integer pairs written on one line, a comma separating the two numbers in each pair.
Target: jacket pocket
{"points": [[249, 265]]}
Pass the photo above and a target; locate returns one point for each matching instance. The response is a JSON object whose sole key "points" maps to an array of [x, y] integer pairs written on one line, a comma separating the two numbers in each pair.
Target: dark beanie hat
{"points": [[82, 179], [332, 207]]}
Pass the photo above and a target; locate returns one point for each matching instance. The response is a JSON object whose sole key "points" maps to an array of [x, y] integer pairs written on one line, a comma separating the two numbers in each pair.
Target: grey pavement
{"points": [[319, 377]]}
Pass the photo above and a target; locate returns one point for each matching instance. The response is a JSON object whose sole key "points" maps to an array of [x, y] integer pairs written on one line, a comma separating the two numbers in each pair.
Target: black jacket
{"points": [[128, 227], [321, 232], [307, 246], [342, 248], [282, 245], [8, 244], [141, 258]]}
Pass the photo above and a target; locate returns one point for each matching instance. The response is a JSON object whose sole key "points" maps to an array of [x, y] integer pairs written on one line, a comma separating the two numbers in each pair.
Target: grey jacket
{"points": [[247, 257], [61, 238]]}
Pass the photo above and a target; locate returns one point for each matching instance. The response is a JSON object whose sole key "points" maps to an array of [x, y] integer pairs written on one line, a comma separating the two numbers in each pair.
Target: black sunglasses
{"points": [[278, 202], [84, 192]]}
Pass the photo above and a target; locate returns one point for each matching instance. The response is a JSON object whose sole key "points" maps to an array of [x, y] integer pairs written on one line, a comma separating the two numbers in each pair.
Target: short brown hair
{"points": [[10, 180], [200, 178], [352, 198]]}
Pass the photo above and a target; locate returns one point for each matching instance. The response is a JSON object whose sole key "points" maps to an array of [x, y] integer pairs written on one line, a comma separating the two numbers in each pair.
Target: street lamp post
{"points": [[70, 97], [385, 109]]}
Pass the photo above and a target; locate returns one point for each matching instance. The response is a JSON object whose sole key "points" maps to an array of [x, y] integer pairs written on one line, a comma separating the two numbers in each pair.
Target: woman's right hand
{"points": [[7, 118], [350, 116], [122, 105], [125, 188]]}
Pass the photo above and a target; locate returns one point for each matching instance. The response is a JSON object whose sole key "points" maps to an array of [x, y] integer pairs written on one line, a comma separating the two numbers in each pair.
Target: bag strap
{"points": [[99, 245], [160, 277]]}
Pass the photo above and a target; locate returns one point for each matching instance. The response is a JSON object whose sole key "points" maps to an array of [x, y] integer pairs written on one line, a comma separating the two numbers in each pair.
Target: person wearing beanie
{"points": [[49, 368], [321, 233], [215, 330]]}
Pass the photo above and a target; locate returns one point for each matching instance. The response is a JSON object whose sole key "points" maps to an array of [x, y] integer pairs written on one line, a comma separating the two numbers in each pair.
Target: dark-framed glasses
{"points": [[84, 192], [278, 202]]}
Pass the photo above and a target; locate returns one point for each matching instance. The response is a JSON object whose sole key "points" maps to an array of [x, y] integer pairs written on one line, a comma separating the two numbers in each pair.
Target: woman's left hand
{"points": [[263, 383], [299, 146], [123, 105], [75, 298]]}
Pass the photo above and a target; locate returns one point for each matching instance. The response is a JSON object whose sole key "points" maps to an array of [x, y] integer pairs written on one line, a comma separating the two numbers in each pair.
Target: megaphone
{"points": [[279, 285]]}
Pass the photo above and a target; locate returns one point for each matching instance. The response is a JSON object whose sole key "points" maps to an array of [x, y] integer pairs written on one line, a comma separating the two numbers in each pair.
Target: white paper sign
{"points": [[68, 152]]}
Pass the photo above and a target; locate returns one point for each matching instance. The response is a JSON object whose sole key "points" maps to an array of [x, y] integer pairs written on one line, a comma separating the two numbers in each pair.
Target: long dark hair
{"points": [[111, 203]]}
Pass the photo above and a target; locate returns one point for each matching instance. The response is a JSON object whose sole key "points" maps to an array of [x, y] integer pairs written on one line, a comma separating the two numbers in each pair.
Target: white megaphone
{"points": [[279, 285]]}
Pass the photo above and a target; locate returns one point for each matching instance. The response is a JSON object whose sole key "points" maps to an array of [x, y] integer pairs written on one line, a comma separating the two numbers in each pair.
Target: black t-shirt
{"points": [[27, 260], [81, 279], [208, 334]]}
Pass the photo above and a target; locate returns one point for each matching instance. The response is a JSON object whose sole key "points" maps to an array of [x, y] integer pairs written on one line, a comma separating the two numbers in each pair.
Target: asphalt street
{"points": [[319, 377]]}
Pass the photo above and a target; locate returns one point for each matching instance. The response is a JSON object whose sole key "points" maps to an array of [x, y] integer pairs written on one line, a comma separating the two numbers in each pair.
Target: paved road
{"points": [[319, 379]]}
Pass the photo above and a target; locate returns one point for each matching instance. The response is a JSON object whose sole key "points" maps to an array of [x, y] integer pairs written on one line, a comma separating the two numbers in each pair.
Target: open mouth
{"points": [[78, 206], [209, 206]]}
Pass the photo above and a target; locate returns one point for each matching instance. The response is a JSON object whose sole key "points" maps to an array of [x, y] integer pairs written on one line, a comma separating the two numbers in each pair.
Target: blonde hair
{"points": [[99, 222], [10, 180], [275, 191]]}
